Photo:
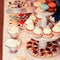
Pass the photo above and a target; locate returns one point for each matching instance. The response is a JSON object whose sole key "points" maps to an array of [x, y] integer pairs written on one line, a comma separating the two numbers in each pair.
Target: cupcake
{"points": [[14, 31], [56, 30], [12, 44], [37, 32], [52, 6], [47, 33], [29, 25]]}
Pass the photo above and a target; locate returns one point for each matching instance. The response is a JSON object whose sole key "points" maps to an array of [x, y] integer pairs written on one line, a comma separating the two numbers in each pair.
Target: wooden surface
{"points": [[1, 26]]}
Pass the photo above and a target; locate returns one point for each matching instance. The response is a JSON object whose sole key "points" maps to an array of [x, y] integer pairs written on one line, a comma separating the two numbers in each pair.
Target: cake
{"points": [[29, 25], [52, 6], [56, 30], [44, 6], [37, 32], [13, 31], [47, 32]]}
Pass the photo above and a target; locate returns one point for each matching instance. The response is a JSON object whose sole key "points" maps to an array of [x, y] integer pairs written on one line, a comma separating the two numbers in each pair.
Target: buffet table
{"points": [[22, 49]]}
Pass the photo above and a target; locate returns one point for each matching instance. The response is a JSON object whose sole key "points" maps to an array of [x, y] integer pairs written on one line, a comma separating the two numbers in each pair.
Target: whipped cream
{"points": [[11, 42], [37, 30], [56, 29], [47, 30]]}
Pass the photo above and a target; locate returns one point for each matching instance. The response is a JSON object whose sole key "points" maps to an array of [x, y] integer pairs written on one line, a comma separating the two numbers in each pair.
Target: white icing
{"points": [[11, 42], [56, 29], [47, 30], [37, 30]]}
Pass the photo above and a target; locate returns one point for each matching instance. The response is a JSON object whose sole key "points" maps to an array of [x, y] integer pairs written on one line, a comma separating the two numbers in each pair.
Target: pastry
{"points": [[52, 6], [49, 54], [37, 32], [56, 30], [47, 50], [54, 43], [47, 32], [44, 6], [42, 53]]}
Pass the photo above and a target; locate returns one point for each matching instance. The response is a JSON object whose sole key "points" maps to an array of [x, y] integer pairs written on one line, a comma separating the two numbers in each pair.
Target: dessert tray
{"points": [[20, 41]]}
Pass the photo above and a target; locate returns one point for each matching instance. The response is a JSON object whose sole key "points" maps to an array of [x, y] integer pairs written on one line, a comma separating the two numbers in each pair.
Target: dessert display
{"points": [[12, 44], [31, 17], [51, 49]]}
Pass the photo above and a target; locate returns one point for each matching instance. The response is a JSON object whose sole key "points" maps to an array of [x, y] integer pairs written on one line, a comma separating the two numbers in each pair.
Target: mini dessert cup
{"points": [[12, 44], [14, 32]]}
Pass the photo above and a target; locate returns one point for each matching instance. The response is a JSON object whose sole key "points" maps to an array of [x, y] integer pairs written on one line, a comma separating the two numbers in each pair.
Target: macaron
{"points": [[44, 6], [36, 4], [49, 1], [52, 5]]}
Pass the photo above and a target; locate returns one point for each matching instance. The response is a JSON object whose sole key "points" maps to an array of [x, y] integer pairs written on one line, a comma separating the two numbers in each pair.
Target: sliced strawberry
{"points": [[22, 22]]}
